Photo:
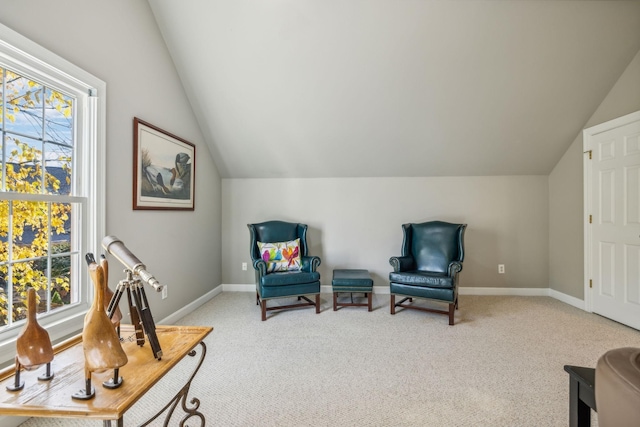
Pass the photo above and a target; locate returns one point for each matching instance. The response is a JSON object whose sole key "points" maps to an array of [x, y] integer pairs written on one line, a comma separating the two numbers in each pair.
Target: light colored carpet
{"points": [[500, 365]]}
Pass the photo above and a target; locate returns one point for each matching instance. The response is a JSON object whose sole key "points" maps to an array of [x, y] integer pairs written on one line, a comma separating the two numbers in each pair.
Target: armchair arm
{"points": [[454, 268], [402, 263], [310, 263], [260, 267]]}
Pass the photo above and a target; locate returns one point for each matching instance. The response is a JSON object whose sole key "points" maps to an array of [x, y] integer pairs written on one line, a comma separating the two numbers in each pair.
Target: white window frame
{"points": [[31, 60]]}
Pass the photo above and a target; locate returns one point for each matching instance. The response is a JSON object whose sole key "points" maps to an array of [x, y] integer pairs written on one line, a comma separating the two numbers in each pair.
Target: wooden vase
{"points": [[101, 345], [33, 345]]}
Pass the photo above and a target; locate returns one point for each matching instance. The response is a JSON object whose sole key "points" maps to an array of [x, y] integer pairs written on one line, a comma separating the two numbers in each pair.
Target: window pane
{"points": [[4, 257], [25, 275], [58, 169], [61, 227], [61, 292], [30, 229], [58, 117], [63, 260], [23, 98], [23, 165], [4, 229], [4, 310]]}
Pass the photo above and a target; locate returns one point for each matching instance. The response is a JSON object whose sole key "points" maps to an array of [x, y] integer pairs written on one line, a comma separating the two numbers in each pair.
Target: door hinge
{"points": [[588, 151], [590, 219], [590, 283]]}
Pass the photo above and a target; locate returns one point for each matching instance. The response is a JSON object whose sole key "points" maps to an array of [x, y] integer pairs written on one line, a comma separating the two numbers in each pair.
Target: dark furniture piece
{"points": [[582, 396], [351, 281], [432, 255], [300, 284]]}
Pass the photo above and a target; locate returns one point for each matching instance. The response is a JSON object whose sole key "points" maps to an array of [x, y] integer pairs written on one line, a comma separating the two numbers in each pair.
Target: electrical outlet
{"points": [[165, 291], [244, 266], [501, 268]]}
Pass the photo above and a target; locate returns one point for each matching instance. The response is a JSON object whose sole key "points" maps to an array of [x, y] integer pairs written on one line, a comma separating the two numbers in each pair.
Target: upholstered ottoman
{"points": [[351, 281]]}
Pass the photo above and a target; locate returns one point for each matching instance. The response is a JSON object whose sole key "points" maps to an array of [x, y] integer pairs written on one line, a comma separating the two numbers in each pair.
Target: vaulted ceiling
{"points": [[402, 88]]}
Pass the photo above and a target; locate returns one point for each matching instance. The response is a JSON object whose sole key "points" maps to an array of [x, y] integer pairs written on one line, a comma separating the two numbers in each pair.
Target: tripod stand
{"points": [[139, 311]]}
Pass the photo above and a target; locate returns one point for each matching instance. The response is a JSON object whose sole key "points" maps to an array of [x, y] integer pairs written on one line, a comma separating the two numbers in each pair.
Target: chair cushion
{"points": [[441, 294], [352, 278], [268, 292], [422, 278], [281, 256], [289, 278]]}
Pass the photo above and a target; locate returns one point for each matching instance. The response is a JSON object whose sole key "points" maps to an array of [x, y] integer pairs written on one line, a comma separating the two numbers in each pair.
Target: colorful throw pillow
{"points": [[281, 256]]}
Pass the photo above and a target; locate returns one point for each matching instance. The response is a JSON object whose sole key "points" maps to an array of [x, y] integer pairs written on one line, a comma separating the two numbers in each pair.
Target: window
{"points": [[51, 187]]}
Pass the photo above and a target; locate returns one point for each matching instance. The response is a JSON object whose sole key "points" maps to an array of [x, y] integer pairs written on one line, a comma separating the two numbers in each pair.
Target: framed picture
{"points": [[164, 168]]}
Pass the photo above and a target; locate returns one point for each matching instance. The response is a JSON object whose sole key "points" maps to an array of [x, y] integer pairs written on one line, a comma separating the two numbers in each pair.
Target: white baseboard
{"points": [[567, 299], [12, 421], [325, 289], [523, 292], [382, 290], [239, 288], [172, 318]]}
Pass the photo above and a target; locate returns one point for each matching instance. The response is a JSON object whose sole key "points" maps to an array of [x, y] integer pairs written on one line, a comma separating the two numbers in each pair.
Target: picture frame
{"points": [[164, 167]]}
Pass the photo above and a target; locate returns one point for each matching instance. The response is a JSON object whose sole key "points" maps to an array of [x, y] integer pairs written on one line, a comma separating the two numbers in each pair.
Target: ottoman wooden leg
{"points": [[335, 302], [369, 298]]}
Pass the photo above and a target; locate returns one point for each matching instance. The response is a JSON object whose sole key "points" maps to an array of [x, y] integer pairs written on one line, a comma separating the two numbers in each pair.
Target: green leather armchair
{"points": [[432, 255], [280, 284]]}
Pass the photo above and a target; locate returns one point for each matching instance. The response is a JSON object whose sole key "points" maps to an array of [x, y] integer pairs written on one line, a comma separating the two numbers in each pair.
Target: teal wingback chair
{"points": [[270, 284], [432, 255]]}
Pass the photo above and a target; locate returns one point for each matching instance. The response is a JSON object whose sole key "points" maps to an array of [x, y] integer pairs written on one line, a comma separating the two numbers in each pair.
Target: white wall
{"points": [[356, 222], [118, 41], [566, 216]]}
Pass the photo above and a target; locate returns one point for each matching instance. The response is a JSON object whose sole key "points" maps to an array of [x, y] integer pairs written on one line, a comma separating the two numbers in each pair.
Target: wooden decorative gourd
{"points": [[33, 346], [101, 345]]}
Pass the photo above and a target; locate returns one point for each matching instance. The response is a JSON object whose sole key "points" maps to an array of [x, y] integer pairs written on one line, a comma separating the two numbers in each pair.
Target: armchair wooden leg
{"points": [[369, 298], [335, 302], [263, 304], [318, 303], [393, 304], [257, 299], [452, 309]]}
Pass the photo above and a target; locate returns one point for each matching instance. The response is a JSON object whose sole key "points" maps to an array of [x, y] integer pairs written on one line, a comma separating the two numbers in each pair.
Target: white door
{"points": [[612, 202]]}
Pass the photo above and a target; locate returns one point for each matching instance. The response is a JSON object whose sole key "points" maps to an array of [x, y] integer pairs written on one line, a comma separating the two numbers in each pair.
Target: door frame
{"points": [[587, 135]]}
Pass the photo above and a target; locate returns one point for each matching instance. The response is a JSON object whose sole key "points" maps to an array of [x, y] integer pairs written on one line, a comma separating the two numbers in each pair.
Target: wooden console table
{"points": [[53, 398]]}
